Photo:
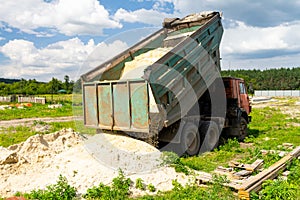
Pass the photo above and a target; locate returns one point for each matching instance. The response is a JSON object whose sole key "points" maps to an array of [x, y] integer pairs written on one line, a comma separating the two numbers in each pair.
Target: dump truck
{"points": [[167, 88]]}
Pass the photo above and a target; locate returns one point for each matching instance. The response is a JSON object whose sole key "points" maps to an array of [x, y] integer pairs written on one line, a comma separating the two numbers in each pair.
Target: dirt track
{"points": [[30, 121]]}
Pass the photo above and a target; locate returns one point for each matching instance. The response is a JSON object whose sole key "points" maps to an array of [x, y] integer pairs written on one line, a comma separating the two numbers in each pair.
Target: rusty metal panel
{"points": [[90, 105], [121, 105], [139, 105], [105, 105]]}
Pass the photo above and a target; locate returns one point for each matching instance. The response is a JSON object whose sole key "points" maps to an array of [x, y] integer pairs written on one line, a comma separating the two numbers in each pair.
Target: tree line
{"points": [[270, 79], [33, 87]]}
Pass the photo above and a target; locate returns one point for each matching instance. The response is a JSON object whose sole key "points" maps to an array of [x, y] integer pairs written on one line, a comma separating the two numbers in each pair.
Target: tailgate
{"points": [[117, 105]]}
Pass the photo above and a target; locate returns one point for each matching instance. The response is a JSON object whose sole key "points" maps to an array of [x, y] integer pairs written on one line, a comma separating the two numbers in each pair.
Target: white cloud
{"points": [[55, 60], [246, 46], [152, 17], [259, 33], [103, 52], [265, 13], [66, 16], [186, 7], [246, 39]]}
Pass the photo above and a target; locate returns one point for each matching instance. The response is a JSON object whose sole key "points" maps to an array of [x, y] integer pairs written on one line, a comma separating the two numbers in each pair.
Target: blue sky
{"points": [[53, 38]]}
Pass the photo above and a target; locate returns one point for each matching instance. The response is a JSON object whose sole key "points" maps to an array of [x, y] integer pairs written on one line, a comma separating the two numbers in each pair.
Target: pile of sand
{"points": [[136, 67], [85, 162], [38, 146]]}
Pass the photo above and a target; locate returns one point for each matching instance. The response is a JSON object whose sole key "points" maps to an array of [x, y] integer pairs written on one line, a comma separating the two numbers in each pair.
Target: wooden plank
{"points": [[254, 179], [242, 173], [257, 164], [239, 165], [223, 170], [243, 195], [250, 167], [278, 165], [254, 183], [203, 177], [257, 186], [296, 152]]}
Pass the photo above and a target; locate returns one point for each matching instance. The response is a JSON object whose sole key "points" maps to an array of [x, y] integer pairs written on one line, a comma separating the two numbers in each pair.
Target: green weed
{"points": [[173, 160], [193, 191], [231, 145], [294, 169], [139, 184], [276, 190], [208, 161], [59, 191], [151, 187], [119, 189]]}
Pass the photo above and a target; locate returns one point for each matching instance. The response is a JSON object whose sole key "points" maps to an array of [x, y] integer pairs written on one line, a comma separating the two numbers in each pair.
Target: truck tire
{"points": [[210, 134], [190, 139], [243, 129]]}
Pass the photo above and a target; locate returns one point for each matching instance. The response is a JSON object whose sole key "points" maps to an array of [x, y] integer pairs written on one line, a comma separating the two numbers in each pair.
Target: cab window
{"points": [[242, 88]]}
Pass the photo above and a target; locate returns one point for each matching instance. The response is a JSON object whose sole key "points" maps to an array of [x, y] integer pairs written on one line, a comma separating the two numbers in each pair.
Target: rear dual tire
{"points": [[191, 137], [210, 134]]}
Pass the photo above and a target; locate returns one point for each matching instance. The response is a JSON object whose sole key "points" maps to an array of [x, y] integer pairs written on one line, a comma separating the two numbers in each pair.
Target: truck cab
{"points": [[238, 107]]}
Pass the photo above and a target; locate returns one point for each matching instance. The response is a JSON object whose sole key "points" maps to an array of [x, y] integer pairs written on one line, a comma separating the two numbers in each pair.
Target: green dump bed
{"points": [[139, 95]]}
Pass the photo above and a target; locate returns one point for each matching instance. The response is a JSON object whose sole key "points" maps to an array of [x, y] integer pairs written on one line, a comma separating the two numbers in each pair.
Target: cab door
{"points": [[244, 98]]}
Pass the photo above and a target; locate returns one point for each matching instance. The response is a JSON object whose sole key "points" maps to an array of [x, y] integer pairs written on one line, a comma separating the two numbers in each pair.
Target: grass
{"points": [[57, 98], [193, 191], [16, 134], [37, 110], [210, 160], [120, 190], [59, 191], [280, 188], [269, 129], [273, 129]]}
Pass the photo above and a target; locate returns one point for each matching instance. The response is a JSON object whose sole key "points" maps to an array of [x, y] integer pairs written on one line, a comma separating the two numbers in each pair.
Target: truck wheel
{"points": [[190, 139], [243, 129], [210, 134]]}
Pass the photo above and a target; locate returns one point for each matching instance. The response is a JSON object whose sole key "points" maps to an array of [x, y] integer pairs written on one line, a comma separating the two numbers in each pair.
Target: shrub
{"points": [[173, 160], [139, 184], [118, 190], [277, 189], [59, 191], [151, 188]]}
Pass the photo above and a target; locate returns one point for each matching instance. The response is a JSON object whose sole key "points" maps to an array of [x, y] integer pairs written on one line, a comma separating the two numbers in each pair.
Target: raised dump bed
{"points": [[141, 90]]}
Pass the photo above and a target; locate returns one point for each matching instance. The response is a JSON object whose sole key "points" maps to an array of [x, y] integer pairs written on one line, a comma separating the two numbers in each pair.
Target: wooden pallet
{"points": [[253, 183]]}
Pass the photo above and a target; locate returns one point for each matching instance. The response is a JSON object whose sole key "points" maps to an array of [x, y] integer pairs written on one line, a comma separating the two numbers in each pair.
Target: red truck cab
{"points": [[235, 89], [238, 107]]}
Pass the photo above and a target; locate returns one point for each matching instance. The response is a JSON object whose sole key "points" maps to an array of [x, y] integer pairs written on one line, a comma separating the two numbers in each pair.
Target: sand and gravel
{"points": [[84, 161]]}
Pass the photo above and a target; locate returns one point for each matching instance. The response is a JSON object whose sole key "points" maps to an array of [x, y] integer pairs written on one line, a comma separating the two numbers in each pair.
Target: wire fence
{"points": [[20, 99], [277, 93], [5, 99]]}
